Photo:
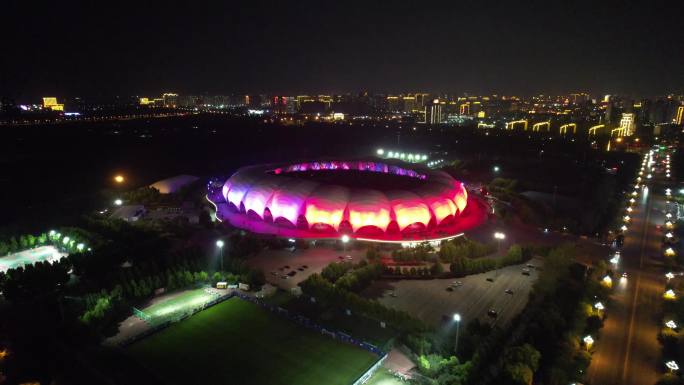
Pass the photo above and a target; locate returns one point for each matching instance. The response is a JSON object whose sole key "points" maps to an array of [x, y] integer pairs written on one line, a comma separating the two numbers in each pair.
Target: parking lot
{"points": [[274, 262], [431, 301]]}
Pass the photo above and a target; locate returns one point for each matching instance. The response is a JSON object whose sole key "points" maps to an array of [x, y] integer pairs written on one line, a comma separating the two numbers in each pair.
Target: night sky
{"points": [[114, 48]]}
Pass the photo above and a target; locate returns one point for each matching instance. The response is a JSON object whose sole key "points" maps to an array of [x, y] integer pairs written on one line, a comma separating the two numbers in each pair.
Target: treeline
{"points": [[327, 294], [542, 345], [516, 255], [463, 247], [350, 276]]}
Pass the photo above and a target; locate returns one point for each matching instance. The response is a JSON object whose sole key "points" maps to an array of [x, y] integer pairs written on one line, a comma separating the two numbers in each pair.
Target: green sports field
{"points": [[237, 342], [179, 304]]}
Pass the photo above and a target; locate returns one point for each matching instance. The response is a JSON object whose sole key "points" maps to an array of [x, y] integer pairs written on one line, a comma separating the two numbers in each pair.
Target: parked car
{"points": [[492, 313]]}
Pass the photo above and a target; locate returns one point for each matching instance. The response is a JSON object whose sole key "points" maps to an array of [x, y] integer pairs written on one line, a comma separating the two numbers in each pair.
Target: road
{"points": [[628, 351]]}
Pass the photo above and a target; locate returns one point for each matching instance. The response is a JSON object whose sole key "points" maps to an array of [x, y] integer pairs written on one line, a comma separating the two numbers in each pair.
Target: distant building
{"points": [[50, 103], [170, 100], [679, 118], [129, 213], [627, 124], [433, 112]]}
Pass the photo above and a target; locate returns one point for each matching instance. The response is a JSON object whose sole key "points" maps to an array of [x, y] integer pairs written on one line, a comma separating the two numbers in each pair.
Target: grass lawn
{"points": [[384, 377], [237, 342], [181, 303]]}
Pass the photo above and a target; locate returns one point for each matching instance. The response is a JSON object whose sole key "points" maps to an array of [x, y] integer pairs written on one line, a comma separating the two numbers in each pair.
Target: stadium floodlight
{"points": [[118, 202], [424, 157], [380, 151]]}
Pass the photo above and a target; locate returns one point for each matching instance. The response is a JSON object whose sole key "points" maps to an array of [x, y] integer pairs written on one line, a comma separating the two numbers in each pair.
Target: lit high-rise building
{"points": [[50, 103], [433, 112], [627, 124], [679, 118], [170, 99]]}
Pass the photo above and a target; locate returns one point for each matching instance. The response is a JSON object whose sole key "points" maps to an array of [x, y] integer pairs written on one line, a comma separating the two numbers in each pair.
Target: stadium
{"points": [[378, 200]]}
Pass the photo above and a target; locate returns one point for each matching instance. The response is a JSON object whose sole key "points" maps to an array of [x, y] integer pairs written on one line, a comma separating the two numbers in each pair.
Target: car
{"points": [[393, 294], [305, 266], [531, 266], [284, 276], [449, 288], [492, 313], [340, 257], [624, 275], [526, 272], [274, 273], [490, 279], [508, 291], [292, 273], [286, 267], [457, 283], [349, 258], [301, 269]]}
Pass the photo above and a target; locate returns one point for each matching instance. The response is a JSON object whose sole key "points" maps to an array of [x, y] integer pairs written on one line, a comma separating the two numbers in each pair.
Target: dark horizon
{"points": [[306, 47]]}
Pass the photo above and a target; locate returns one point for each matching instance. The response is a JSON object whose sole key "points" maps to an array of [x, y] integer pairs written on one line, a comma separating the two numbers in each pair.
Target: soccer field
{"points": [[179, 304], [237, 342]]}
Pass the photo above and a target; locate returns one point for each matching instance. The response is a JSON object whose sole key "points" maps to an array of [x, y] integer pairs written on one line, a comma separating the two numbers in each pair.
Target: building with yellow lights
{"points": [[50, 103]]}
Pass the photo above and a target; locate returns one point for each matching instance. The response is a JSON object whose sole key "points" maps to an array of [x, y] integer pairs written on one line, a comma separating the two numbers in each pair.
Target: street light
{"points": [[669, 235], [345, 240], [499, 236], [669, 252], [629, 209], [599, 306], [119, 179], [380, 151], [626, 218], [615, 260], [670, 294], [457, 318], [623, 228], [80, 247], [607, 281], [669, 276], [118, 202], [220, 244], [672, 366], [496, 169], [671, 324], [588, 341]]}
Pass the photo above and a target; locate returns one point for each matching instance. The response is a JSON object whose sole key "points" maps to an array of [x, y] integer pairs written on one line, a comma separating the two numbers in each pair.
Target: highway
{"points": [[628, 352]]}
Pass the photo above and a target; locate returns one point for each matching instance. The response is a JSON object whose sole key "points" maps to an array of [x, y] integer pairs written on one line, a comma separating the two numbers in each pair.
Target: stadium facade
{"points": [[371, 199]]}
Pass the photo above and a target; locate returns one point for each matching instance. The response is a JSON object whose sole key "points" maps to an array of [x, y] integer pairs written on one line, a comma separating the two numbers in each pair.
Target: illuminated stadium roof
{"points": [[363, 198]]}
